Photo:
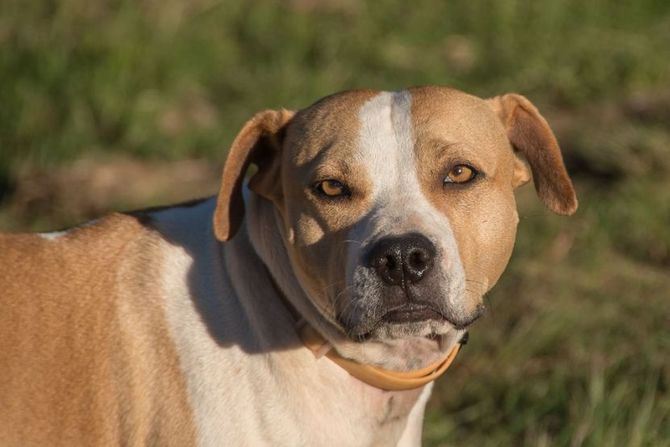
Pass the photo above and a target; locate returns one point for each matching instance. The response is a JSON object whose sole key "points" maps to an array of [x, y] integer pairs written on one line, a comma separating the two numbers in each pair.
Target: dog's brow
{"points": [[332, 167], [445, 151]]}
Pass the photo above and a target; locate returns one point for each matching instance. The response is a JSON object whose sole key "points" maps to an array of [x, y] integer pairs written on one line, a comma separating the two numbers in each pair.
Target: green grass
{"points": [[175, 79], [574, 350]]}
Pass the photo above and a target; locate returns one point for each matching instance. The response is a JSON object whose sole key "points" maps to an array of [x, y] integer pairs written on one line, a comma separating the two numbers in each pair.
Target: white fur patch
{"points": [[53, 235], [414, 428], [190, 262], [399, 206], [386, 145]]}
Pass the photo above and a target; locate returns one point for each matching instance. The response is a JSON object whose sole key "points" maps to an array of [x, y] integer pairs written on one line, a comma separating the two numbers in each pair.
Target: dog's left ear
{"points": [[259, 142], [531, 135]]}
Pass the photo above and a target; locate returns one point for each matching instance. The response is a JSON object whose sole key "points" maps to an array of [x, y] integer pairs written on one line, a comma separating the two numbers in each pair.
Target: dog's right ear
{"points": [[259, 142], [530, 134]]}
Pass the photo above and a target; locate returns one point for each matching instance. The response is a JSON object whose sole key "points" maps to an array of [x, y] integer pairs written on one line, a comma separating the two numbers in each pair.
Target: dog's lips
{"points": [[411, 313]]}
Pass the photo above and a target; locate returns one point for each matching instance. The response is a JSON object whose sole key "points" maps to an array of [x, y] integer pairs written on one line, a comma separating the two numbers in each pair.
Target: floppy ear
{"points": [[259, 142], [531, 135]]}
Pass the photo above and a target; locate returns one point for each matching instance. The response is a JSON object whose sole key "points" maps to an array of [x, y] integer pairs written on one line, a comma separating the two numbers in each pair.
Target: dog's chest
{"points": [[326, 406], [271, 403], [241, 395]]}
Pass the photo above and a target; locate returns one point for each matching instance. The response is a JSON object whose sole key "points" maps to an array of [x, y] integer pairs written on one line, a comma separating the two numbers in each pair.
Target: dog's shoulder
{"points": [[64, 263], [107, 232], [83, 323]]}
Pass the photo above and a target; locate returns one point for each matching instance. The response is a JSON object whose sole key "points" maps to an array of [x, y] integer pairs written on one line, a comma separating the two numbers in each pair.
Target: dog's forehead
{"points": [[456, 116], [331, 120], [425, 113]]}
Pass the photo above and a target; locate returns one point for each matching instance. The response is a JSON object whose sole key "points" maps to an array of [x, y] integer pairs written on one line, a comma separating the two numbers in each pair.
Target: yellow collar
{"points": [[372, 375]]}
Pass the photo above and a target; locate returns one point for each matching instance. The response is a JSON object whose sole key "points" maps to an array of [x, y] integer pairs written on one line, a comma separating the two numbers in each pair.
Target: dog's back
{"points": [[75, 347]]}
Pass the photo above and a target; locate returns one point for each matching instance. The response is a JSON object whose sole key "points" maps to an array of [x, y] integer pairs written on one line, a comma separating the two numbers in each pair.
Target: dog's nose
{"points": [[402, 259]]}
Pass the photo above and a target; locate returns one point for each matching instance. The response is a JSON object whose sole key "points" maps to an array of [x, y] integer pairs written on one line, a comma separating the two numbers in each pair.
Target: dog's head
{"points": [[397, 209]]}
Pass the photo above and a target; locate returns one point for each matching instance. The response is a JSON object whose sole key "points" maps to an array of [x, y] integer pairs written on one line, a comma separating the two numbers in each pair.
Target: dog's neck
{"points": [[373, 376], [264, 228]]}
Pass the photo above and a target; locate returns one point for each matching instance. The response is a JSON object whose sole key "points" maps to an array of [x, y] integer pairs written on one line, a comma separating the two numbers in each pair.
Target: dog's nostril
{"points": [[383, 262], [418, 263], [418, 259]]}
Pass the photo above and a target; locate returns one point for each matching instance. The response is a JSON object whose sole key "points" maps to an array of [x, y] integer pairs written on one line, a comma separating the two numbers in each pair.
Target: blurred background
{"points": [[113, 105]]}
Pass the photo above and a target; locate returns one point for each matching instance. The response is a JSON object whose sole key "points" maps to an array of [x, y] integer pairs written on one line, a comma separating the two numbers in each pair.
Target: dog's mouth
{"points": [[412, 319], [412, 313]]}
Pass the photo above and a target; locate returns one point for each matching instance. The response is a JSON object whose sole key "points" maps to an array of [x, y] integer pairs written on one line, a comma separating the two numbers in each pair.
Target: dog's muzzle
{"points": [[404, 266], [400, 288]]}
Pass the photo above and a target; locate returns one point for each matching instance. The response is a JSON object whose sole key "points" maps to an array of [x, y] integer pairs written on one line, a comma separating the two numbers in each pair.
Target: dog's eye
{"points": [[332, 188], [460, 174]]}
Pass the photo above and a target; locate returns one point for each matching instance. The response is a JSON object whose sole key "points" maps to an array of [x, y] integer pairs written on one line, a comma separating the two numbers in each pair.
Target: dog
{"points": [[313, 307]]}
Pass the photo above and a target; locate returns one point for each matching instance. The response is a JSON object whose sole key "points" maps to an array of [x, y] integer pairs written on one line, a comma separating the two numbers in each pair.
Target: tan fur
{"points": [[321, 144], [81, 333], [456, 126], [321, 138]]}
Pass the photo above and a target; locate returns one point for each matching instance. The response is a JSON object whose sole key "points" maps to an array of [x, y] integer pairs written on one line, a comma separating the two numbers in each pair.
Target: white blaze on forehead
{"points": [[386, 141], [386, 149]]}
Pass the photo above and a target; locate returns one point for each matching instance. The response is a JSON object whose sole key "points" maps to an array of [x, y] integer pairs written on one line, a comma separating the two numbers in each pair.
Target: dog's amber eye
{"points": [[460, 174], [332, 188]]}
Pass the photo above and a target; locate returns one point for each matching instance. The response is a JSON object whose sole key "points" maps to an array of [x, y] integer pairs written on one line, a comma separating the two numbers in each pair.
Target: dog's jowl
{"points": [[313, 306]]}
